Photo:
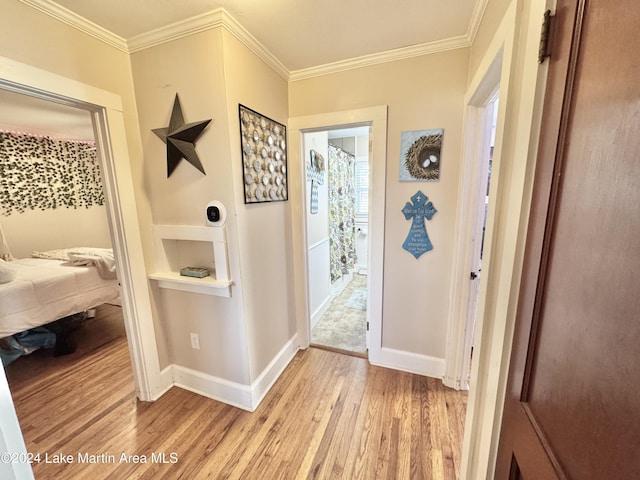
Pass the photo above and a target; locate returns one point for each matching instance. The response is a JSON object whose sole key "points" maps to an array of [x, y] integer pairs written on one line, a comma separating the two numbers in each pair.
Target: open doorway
{"points": [[487, 132], [53, 184], [473, 250], [337, 202], [105, 110], [376, 119]]}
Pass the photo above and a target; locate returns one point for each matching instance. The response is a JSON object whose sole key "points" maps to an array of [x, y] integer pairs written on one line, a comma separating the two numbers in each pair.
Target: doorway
{"points": [[476, 201], [487, 132], [337, 203], [376, 119], [39, 135], [105, 110]]}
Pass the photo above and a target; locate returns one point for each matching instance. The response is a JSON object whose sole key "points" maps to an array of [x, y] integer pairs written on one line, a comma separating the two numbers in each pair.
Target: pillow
{"points": [[7, 272]]}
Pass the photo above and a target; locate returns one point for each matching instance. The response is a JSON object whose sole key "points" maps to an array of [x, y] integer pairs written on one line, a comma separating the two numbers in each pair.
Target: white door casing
{"points": [[376, 118]]}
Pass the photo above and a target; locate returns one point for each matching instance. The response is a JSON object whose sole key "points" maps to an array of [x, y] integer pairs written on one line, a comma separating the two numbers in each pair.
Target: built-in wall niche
{"points": [[179, 246]]}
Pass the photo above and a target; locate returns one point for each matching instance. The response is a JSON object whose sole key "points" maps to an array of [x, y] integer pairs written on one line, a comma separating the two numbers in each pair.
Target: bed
{"points": [[45, 290], [42, 298]]}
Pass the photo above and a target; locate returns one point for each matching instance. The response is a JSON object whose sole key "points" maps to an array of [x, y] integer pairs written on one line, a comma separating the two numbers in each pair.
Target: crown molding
{"points": [[174, 31], [80, 23], [381, 57], [252, 43], [476, 18], [399, 53], [219, 18], [214, 19]]}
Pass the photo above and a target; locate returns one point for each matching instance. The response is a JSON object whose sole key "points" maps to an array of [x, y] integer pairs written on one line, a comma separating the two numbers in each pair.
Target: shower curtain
{"points": [[342, 206]]}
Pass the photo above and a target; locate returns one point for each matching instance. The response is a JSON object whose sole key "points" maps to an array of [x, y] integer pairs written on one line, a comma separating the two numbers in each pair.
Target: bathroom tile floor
{"points": [[343, 325]]}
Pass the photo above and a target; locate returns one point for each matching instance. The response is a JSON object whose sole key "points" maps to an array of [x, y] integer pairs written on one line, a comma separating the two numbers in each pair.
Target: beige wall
{"points": [[191, 67], [263, 228], [217, 74], [159, 74], [195, 68], [421, 93], [56, 228]]}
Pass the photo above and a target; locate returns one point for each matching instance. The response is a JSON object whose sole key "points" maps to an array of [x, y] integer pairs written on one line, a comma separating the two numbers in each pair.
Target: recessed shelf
{"points": [[168, 239], [205, 286]]}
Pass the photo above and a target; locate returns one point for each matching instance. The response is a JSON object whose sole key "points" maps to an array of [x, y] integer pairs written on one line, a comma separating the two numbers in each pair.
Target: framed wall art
{"points": [[420, 155], [264, 157]]}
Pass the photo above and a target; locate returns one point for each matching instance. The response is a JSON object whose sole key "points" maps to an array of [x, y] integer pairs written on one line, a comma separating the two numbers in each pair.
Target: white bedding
{"points": [[46, 290]]}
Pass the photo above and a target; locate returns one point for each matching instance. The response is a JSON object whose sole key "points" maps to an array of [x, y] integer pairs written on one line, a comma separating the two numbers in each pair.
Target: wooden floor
{"points": [[329, 416]]}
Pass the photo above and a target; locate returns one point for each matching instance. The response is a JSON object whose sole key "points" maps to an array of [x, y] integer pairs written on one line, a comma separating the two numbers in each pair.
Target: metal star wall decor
{"points": [[180, 139]]}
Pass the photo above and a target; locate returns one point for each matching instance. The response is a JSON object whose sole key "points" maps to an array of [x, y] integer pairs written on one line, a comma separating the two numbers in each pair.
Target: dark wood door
{"points": [[573, 397]]}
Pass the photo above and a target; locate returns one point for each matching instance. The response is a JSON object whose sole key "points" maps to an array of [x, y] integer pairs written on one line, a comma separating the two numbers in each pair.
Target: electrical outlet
{"points": [[195, 341]]}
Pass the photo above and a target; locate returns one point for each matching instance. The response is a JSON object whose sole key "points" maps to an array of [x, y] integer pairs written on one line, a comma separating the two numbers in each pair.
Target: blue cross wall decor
{"points": [[417, 241]]}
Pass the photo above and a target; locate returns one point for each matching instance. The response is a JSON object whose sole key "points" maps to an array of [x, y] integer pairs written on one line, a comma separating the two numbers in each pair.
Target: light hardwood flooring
{"points": [[329, 416]]}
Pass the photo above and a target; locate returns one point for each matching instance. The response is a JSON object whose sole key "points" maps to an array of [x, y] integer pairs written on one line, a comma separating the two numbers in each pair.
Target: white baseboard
{"points": [[410, 362], [340, 284], [269, 375], [225, 391], [321, 310], [166, 382], [246, 397]]}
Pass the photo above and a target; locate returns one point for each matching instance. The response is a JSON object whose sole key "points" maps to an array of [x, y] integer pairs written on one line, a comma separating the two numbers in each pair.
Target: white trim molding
{"points": [[261, 386], [11, 440], [245, 397], [218, 18], [410, 362], [376, 118], [220, 389], [381, 57], [476, 17]]}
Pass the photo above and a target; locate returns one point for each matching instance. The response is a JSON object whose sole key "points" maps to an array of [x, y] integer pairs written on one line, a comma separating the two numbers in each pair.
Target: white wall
{"points": [[318, 232], [362, 223], [317, 223]]}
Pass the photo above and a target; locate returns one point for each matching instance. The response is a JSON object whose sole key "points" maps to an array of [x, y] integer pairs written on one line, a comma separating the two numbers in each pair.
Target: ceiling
{"points": [[300, 34]]}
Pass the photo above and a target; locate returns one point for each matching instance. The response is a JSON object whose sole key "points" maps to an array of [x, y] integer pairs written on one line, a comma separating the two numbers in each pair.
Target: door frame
{"points": [[474, 171], [376, 118], [108, 122], [522, 82], [11, 439], [334, 291]]}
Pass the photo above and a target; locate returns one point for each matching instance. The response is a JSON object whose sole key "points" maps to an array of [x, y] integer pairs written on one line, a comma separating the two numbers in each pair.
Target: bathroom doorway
{"points": [[337, 202]]}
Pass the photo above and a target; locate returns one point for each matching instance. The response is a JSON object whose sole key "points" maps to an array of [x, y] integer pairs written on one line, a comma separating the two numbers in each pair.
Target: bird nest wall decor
{"points": [[264, 157], [420, 157]]}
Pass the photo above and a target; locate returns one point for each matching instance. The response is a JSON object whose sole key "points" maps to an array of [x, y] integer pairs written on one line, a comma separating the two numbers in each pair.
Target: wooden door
{"points": [[573, 397]]}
